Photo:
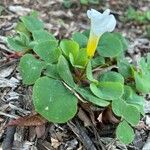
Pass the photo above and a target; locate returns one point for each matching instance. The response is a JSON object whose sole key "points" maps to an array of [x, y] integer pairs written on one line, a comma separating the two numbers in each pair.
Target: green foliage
{"points": [[87, 94], [80, 38], [19, 43], [69, 47], [30, 68], [32, 23], [124, 68], [125, 133], [137, 15], [112, 76], [89, 73], [69, 3], [64, 71], [42, 35], [109, 45], [86, 2], [107, 90], [47, 51], [53, 101], [142, 78], [62, 74]]}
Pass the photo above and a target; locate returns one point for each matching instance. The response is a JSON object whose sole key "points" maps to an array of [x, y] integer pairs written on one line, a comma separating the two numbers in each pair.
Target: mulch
{"points": [[83, 132]]}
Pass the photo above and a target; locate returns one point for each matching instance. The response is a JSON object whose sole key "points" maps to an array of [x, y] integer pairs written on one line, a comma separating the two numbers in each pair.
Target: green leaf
{"points": [[97, 61], [94, 1], [122, 40], [124, 68], [89, 73], [21, 28], [47, 51], [53, 101], [32, 23], [87, 95], [81, 59], [118, 106], [69, 46], [42, 35], [112, 76], [142, 82], [134, 99], [30, 69], [19, 43], [109, 46], [51, 71], [127, 92], [131, 114], [67, 3], [107, 90], [80, 38], [125, 133], [84, 2], [64, 71]]}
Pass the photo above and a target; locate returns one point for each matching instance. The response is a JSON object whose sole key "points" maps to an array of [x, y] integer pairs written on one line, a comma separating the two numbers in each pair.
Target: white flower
{"points": [[100, 23]]}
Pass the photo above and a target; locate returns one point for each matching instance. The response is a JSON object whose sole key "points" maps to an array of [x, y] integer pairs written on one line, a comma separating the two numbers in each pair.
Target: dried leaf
{"points": [[141, 125], [100, 117], [107, 116], [30, 120], [40, 130], [82, 115], [55, 143]]}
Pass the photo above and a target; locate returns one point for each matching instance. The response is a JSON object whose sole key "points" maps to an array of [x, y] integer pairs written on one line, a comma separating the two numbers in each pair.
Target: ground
{"points": [[15, 98]]}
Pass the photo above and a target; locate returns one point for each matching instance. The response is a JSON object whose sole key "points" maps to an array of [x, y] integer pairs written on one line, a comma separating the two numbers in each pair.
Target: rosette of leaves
{"points": [[61, 74]]}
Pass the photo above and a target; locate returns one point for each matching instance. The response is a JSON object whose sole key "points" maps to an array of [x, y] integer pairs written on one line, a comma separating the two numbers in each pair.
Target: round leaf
{"points": [[117, 106], [32, 23], [112, 76], [47, 51], [107, 90], [131, 114], [30, 69], [109, 46], [125, 133], [80, 38], [53, 101]]}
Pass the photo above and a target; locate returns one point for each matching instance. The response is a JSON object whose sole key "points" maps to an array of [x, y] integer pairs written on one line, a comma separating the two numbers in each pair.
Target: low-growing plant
{"points": [[69, 3], [66, 72], [137, 15]]}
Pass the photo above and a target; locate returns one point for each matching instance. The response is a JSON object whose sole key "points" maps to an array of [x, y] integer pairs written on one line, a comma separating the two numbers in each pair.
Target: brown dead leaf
{"points": [[141, 125], [55, 143], [40, 130], [30, 120], [100, 117], [83, 116], [107, 116]]}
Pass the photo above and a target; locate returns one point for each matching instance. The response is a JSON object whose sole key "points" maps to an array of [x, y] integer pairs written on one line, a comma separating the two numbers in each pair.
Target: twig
{"points": [[74, 92], [19, 109], [104, 69], [9, 138], [81, 134], [8, 115]]}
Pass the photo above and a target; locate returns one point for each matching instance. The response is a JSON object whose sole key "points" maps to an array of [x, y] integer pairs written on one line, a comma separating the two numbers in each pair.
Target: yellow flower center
{"points": [[92, 44]]}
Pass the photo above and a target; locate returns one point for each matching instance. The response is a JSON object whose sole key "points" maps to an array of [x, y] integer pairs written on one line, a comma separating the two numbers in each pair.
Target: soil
{"points": [[84, 131]]}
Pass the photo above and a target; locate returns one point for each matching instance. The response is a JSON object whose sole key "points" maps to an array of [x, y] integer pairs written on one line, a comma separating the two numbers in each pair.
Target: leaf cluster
{"points": [[137, 15], [62, 75]]}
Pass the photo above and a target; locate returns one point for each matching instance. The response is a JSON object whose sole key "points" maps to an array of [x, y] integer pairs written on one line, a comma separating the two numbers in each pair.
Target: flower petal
{"points": [[101, 22]]}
